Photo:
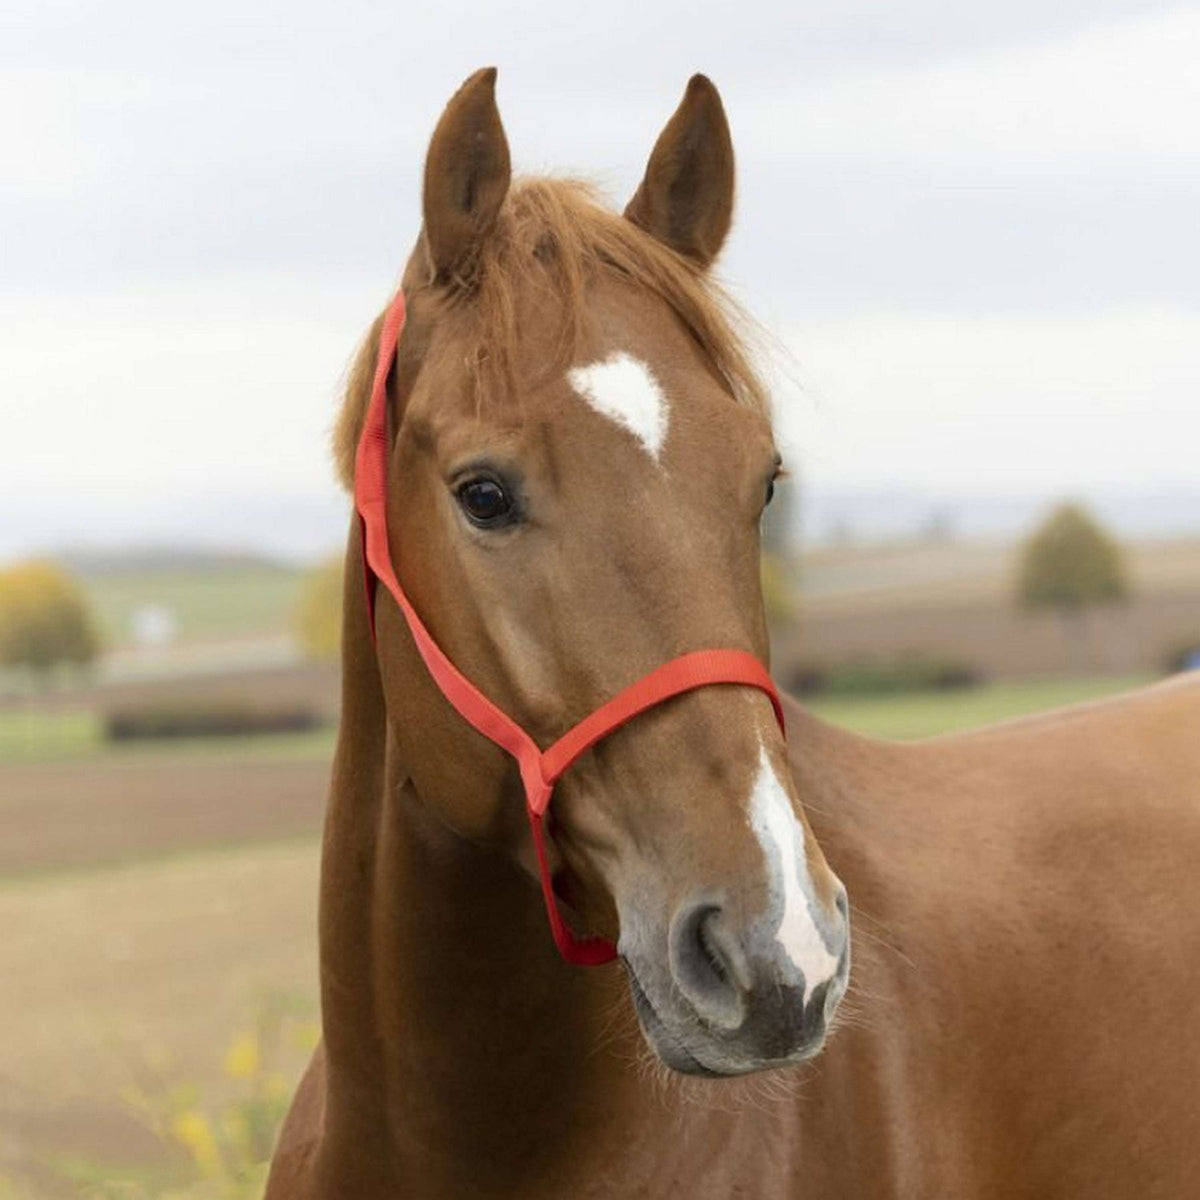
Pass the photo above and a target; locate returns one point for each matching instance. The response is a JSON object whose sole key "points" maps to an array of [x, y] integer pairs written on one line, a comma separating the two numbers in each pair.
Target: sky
{"points": [[968, 230]]}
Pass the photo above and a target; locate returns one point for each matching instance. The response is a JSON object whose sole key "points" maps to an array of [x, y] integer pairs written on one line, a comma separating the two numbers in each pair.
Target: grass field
{"points": [[31, 735], [158, 971], [927, 714], [34, 735], [208, 605], [244, 599]]}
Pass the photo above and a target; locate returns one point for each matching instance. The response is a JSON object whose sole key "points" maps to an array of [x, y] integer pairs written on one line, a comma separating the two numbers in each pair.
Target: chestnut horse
{"points": [[578, 454]]}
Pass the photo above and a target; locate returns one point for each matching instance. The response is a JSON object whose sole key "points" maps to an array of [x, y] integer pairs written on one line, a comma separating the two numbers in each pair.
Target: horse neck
{"points": [[453, 1033], [459, 1048]]}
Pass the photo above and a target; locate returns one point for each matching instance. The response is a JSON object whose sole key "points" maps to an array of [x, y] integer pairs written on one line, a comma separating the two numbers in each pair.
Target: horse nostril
{"points": [[710, 950], [706, 965]]}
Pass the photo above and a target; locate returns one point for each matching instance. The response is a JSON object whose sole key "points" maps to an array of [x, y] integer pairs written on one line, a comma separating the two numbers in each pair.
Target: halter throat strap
{"points": [[539, 769]]}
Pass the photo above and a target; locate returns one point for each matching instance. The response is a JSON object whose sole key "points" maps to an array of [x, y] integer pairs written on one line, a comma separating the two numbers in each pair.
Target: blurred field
{"points": [[951, 597], [955, 600], [35, 735], [133, 980], [240, 599], [121, 806], [938, 574], [155, 898], [928, 714], [158, 897]]}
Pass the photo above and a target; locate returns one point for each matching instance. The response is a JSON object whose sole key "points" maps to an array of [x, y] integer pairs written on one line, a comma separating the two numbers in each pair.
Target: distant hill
{"points": [[99, 530], [953, 601], [165, 560], [296, 527], [844, 517]]}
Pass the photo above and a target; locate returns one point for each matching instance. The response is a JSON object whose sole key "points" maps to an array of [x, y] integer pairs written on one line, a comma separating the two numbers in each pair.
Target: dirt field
{"points": [[153, 901], [140, 976], [115, 808], [955, 601], [950, 573]]}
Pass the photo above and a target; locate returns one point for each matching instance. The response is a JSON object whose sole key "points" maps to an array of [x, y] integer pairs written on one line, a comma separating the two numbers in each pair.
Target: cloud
{"points": [[995, 405], [215, 388], [975, 222], [1125, 88], [204, 142]]}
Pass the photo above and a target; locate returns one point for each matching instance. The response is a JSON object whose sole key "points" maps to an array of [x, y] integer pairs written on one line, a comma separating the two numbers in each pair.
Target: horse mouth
{"points": [[674, 1052], [665, 1044]]}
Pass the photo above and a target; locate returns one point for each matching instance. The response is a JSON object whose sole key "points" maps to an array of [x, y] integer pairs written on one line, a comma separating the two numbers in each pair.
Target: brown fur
{"points": [[554, 237], [686, 198], [466, 177]]}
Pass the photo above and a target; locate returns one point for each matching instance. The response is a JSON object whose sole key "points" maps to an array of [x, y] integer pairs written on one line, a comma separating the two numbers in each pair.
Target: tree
{"points": [[779, 527], [44, 619], [781, 518], [1069, 565], [319, 616]]}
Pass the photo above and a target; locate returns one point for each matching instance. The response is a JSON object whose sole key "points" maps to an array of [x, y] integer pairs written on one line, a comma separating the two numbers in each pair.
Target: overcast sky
{"points": [[973, 227]]}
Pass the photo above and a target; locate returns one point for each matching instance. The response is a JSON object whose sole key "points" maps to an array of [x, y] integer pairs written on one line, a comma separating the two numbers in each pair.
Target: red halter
{"points": [[539, 769]]}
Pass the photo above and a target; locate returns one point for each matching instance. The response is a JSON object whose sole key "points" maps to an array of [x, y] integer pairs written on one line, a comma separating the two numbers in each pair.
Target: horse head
{"points": [[579, 454]]}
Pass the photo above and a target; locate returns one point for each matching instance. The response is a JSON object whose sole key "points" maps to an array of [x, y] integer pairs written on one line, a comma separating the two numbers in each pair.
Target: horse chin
{"points": [[665, 1044], [681, 1054]]}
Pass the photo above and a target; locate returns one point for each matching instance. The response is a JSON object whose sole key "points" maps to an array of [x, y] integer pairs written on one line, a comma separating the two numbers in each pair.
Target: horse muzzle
{"points": [[732, 1000]]}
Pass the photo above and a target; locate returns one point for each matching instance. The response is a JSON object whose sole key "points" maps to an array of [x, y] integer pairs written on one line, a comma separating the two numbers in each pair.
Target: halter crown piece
{"points": [[539, 769]]}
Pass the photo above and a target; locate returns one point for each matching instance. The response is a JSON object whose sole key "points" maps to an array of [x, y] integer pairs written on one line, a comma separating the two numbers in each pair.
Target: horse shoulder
{"points": [[1074, 876], [1030, 952], [293, 1176], [1128, 764]]}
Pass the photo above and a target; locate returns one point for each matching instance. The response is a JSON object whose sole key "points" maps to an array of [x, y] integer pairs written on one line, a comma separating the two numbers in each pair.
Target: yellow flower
{"points": [[192, 1130], [305, 1035], [237, 1130], [242, 1060]]}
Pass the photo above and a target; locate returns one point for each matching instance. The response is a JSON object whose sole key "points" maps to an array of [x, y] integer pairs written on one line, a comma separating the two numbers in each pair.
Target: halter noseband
{"points": [[539, 769]]}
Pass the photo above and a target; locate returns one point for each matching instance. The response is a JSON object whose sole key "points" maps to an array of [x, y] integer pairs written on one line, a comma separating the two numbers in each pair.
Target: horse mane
{"points": [[556, 234]]}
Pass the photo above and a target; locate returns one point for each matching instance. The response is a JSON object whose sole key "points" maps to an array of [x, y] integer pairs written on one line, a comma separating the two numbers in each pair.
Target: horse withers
{"points": [[577, 454]]}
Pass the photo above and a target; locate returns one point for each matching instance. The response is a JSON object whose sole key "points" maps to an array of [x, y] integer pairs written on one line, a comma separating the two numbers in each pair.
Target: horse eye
{"points": [[485, 502]]}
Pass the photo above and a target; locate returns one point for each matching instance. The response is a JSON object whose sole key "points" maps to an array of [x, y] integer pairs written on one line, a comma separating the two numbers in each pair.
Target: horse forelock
{"points": [[554, 237]]}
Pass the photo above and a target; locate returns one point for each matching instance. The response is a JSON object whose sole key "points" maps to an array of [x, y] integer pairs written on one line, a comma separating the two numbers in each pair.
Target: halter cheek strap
{"points": [[539, 769]]}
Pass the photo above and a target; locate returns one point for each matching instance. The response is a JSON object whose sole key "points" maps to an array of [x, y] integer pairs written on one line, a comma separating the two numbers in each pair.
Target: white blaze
{"points": [[782, 840], [624, 389]]}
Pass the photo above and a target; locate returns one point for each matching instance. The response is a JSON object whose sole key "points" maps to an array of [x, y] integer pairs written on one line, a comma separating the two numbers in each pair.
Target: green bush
{"points": [[210, 719], [885, 676], [1183, 657], [319, 615], [780, 595], [1070, 563], [221, 1137], [44, 619]]}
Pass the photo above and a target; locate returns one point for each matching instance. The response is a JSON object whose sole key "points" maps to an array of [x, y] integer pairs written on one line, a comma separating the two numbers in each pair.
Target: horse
{"points": [[578, 452]]}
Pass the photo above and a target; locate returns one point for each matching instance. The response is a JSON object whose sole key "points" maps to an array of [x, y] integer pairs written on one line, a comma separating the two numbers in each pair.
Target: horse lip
{"points": [[681, 1059]]}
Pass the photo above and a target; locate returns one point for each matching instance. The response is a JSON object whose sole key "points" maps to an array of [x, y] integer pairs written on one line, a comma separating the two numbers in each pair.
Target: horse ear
{"points": [[467, 173], [686, 196]]}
